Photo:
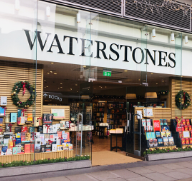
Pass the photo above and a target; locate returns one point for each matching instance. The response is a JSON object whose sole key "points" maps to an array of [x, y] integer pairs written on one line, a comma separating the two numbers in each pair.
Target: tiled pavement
{"points": [[166, 170]]}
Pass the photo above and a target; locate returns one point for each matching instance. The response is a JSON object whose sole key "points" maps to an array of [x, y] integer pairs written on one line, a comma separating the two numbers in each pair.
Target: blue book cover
{"points": [[2, 111], [153, 135], [13, 117], [1, 121], [19, 113], [160, 141], [164, 128], [158, 134], [148, 135], [31, 129], [18, 140]]}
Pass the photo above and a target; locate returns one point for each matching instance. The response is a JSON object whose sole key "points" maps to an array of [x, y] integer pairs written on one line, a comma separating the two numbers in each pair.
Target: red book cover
{"points": [[186, 128], [189, 127], [190, 141], [32, 148], [180, 134], [183, 141], [187, 141], [187, 122], [184, 122], [24, 129], [156, 125], [27, 148]]}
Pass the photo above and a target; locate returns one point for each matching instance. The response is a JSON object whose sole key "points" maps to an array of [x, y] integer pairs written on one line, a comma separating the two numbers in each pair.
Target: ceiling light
{"points": [[101, 87], [156, 83], [61, 87], [77, 91], [61, 83], [151, 73], [150, 95], [48, 11], [172, 37], [47, 86], [163, 81], [139, 79], [52, 63], [44, 80], [119, 81], [58, 88], [71, 89], [105, 86], [153, 33], [84, 66], [55, 73], [48, 73], [125, 70], [130, 96], [51, 71], [17, 5], [78, 17], [186, 39]]}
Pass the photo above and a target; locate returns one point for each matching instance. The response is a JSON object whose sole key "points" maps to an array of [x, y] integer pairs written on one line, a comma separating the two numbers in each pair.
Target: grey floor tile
{"points": [[140, 170], [185, 164], [115, 179], [158, 177], [188, 179], [158, 168], [172, 166], [124, 173], [186, 170], [82, 177], [55, 179], [103, 175], [139, 179], [178, 175]]}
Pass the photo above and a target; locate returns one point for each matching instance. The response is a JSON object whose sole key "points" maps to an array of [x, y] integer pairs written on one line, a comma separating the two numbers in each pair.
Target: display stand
{"points": [[116, 147]]}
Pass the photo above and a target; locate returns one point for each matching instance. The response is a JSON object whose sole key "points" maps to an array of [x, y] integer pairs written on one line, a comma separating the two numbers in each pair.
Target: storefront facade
{"points": [[63, 69]]}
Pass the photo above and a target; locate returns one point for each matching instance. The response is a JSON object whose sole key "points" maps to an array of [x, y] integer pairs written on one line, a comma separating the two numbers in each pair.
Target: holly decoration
{"points": [[178, 100], [16, 89]]}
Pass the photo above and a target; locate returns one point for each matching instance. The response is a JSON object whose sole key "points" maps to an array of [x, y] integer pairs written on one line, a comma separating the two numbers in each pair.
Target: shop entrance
{"points": [[105, 102]]}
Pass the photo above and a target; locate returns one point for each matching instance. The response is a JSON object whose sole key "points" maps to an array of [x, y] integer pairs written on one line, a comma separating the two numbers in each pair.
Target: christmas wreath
{"points": [[16, 89], [178, 100]]}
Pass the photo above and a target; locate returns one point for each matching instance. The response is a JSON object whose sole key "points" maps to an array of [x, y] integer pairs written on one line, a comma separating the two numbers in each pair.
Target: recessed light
{"points": [[139, 79], [77, 91], [58, 88], [125, 70], [151, 73], [48, 73], [44, 80], [47, 86], [84, 66], [61, 83], [51, 71], [163, 81], [156, 83], [75, 84], [105, 86], [52, 63], [71, 89], [61, 87], [101, 87], [88, 89], [55, 73]]}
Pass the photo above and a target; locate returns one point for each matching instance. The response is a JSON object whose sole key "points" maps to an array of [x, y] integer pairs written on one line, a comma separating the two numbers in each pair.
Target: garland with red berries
{"points": [[16, 89]]}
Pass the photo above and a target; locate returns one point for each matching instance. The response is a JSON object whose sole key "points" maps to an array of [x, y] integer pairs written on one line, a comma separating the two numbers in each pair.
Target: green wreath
{"points": [[16, 89], [178, 100]]}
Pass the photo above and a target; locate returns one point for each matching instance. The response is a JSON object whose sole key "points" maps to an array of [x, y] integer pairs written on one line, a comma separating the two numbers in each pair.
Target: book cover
{"points": [[165, 140], [168, 134], [165, 128], [15, 150], [1, 130], [19, 113], [148, 122], [187, 141], [40, 129], [4, 150], [1, 121], [190, 141], [163, 134], [38, 141], [18, 135], [70, 146], [155, 144], [164, 122], [29, 118], [24, 129], [183, 141], [48, 148], [153, 135], [158, 134], [32, 148], [18, 141], [27, 148], [148, 135], [3, 100], [37, 148], [43, 148], [17, 129], [23, 137], [22, 148], [13, 117], [31, 129], [9, 151], [160, 141], [156, 125], [1, 141], [2, 111], [59, 148], [54, 147]]}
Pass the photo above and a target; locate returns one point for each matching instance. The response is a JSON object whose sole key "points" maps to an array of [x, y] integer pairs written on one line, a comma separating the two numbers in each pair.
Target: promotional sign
{"points": [[156, 125]]}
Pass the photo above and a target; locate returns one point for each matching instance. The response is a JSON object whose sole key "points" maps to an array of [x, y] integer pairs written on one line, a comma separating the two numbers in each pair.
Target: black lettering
{"points": [[70, 43], [162, 58], [101, 50], [149, 54], [37, 36], [126, 52], [114, 51], [58, 45], [83, 47], [173, 60], [134, 58]]}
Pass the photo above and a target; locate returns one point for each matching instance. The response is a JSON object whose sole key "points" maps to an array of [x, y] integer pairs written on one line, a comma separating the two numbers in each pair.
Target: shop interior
{"points": [[104, 99]]}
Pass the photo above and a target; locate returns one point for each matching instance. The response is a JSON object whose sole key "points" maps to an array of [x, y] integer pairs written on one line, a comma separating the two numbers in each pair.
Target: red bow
{"points": [[23, 111], [50, 142], [47, 127], [10, 125], [24, 83]]}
